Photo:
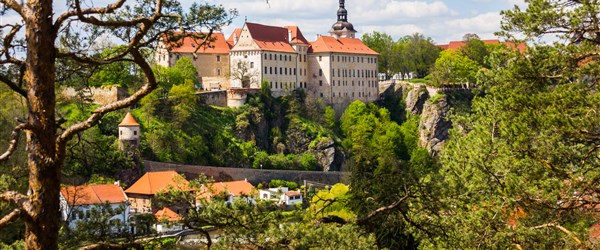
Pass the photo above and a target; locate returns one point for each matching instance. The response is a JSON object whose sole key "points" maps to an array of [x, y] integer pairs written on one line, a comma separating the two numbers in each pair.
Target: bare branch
{"points": [[12, 146], [123, 23], [12, 4], [11, 216], [17, 199], [380, 210], [12, 85], [561, 228], [78, 11], [105, 245]]}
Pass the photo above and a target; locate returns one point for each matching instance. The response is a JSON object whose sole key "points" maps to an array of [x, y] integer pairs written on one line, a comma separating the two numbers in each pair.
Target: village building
{"points": [[143, 191], [79, 203], [210, 59], [167, 221], [281, 195], [455, 45], [229, 191]]}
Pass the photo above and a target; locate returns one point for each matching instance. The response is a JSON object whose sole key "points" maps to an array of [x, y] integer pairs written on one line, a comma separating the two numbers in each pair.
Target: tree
{"points": [[382, 43], [452, 67], [138, 26], [525, 160], [421, 53], [245, 73]]}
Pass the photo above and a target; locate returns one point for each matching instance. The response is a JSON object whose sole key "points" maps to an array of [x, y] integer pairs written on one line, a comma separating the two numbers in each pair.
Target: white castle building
{"points": [[338, 68]]}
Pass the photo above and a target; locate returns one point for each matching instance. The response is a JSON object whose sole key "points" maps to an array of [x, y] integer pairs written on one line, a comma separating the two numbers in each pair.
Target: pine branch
{"points": [[9, 217], [12, 146], [561, 228], [78, 11], [14, 5]]}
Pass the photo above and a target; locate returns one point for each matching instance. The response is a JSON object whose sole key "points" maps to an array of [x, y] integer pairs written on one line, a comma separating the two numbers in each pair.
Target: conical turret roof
{"points": [[129, 121]]}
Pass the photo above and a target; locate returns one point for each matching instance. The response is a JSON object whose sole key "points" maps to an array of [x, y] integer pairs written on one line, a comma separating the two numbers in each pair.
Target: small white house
{"points": [[281, 195], [167, 221], [292, 197], [79, 203]]}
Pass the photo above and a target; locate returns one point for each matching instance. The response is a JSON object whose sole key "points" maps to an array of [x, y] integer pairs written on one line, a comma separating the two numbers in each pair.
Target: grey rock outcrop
{"points": [[325, 153], [434, 125], [415, 100]]}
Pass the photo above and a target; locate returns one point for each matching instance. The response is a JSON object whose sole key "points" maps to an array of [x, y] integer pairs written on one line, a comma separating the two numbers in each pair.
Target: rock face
{"points": [[415, 100], [324, 151], [434, 125]]}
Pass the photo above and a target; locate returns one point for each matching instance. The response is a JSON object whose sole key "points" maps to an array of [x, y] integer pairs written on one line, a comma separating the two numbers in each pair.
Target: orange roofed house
{"points": [[78, 203], [211, 60], [338, 68], [142, 192], [231, 190], [454, 45]]}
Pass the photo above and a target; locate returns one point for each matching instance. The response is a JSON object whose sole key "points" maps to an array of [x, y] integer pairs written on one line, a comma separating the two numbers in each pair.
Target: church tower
{"points": [[129, 133], [342, 28]]}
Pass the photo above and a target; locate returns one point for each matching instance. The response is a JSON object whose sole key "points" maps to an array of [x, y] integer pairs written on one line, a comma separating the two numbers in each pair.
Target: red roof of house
{"points": [[297, 36], [270, 38], [167, 214], [93, 194], [128, 121], [292, 193], [153, 182], [235, 34], [216, 45], [235, 188], [341, 45], [460, 44]]}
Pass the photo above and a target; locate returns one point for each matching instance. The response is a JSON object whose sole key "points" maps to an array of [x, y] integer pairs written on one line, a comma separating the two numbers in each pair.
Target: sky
{"points": [[442, 20]]}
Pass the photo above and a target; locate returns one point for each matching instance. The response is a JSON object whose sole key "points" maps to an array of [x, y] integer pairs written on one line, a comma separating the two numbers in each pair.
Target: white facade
{"points": [[129, 133], [281, 195], [76, 213]]}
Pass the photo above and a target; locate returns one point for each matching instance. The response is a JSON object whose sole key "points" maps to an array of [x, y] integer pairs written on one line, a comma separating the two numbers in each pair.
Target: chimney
{"points": [[289, 36]]}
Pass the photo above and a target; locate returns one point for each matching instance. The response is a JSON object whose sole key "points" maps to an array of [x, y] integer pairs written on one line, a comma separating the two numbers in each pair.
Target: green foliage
{"points": [[453, 67], [282, 183], [332, 202], [382, 43]]}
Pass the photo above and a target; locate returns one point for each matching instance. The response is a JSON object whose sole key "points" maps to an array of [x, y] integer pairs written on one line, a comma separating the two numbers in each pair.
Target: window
{"points": [[321, 94], [320, 82], [320, 72], [266, 69], [218, 72], [251, 65], [333, 83], [120, 132], [286, 71], [265, 56], [270, 57], [134, 132], [275, 84], [334, 94], [245, 56], [280, 58], [305, 58], [218, 58], [270, 70], [320, 58], [332, 72], [294, 71]]}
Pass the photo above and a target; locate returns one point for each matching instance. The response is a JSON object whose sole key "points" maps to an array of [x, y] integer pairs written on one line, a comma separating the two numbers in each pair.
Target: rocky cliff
{"points": [[434, 106]]}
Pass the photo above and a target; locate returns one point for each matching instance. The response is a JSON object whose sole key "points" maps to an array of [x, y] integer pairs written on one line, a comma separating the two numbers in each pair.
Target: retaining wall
{"points": [[254, 176]]}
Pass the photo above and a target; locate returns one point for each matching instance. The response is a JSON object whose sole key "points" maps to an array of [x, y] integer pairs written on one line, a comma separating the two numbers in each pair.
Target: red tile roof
{"points": [[292, 193], [167, 214], [128, 121], [235, 188], [236, 34], [297, 36], [341, 45], [460, 44], [93, 194], [270, 38], [216, 45], [153, 182]]}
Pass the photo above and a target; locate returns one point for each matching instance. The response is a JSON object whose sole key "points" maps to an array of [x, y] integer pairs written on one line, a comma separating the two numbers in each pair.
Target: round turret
{"points": [[129, 131]]}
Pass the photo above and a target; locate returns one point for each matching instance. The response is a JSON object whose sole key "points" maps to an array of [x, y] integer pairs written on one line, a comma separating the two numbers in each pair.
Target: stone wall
{"points": [[214, 98], [254, 176], [98, 95]]}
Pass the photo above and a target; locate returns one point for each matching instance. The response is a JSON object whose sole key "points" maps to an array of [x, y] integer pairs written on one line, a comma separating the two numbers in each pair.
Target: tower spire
{"points": [[342, 28]]}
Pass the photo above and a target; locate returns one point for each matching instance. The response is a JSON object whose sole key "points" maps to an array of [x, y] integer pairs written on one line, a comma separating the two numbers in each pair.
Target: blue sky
{"points": [[443, 20]]}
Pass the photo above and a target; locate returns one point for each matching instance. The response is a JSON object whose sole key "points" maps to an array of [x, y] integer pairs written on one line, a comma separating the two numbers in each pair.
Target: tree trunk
{"points": [[43, 161]]}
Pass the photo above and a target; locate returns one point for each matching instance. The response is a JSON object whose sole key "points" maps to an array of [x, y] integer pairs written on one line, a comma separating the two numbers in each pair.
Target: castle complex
{"points": [[338, 68]]}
